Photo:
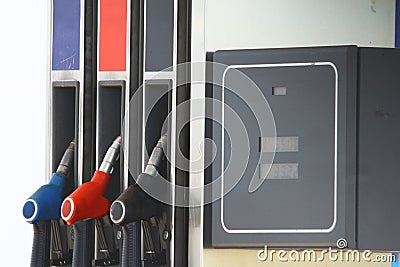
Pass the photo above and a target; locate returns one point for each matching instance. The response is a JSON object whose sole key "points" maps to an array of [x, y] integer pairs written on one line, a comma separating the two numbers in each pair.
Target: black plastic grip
{"points": [[131, 245], [83, 244], [134, 205], [41, 244]]}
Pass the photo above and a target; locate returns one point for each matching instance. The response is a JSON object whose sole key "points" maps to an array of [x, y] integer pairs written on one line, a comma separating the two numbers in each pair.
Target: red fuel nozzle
{"points": [[88, 200]]}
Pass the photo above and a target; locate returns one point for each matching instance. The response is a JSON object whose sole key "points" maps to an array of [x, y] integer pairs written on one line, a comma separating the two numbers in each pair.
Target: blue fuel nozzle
{"points": [[45, 203]]}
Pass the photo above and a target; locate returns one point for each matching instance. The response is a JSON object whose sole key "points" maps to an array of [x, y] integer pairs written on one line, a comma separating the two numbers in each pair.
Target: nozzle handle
{"points": [[134, 204], [130, 245], [41, 244], [45, 203], [87, 201], [83, 240]]}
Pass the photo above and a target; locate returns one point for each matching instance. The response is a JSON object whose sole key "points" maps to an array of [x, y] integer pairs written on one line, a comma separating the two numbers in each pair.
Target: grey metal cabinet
{"points": [[327, 173]]}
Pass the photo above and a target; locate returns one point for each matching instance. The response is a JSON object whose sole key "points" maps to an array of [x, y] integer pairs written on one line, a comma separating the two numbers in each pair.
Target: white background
{"points": [[282, 23], [23, 61], [230, 24]]}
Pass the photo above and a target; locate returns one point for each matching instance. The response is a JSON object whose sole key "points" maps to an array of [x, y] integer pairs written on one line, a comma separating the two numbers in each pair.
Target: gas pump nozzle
{"points": [[134, 204], [88, 200], [45, 203], [44, 206]]}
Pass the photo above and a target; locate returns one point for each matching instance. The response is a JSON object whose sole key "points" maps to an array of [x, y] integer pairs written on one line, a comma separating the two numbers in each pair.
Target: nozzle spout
{"points": [[111, 156], [67, 160], [156, 156]]}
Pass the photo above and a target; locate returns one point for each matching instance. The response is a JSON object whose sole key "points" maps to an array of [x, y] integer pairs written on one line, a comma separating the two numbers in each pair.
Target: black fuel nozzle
{"points": [[134, 204]]}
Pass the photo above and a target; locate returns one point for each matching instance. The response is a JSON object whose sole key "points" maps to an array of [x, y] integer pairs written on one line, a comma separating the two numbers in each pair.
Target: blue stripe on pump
{"points": [[66, 34]]}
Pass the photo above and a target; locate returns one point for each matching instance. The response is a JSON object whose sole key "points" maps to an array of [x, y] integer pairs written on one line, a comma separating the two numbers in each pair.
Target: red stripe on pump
{"points": [[113, 28]]}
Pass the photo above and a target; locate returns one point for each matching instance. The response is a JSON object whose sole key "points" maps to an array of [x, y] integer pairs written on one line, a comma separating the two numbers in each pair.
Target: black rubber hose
{"points": [[130, 245], [41, 244], [83, 254]]}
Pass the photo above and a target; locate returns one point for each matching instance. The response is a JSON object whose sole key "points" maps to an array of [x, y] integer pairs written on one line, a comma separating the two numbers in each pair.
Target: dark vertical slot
{"points": [[110, 108], [182, 118], [351, 150], [84, 231], [132, 244], [208, 153], [136, 80], [156, 111], [64, 125], [157, 108], [397, 27], [89, 101]]}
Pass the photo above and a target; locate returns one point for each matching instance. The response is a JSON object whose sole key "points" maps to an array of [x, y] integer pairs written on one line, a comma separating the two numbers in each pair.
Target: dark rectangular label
{"points": [[113, 29], [66, 34]]}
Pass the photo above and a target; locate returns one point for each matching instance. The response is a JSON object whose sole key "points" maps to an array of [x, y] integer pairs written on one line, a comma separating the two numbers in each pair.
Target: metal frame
{"points": [[197, 133]]}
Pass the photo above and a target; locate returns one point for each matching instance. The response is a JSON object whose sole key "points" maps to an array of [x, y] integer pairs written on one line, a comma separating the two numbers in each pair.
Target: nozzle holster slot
{"points": [[64, 124], [110, 115]]}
